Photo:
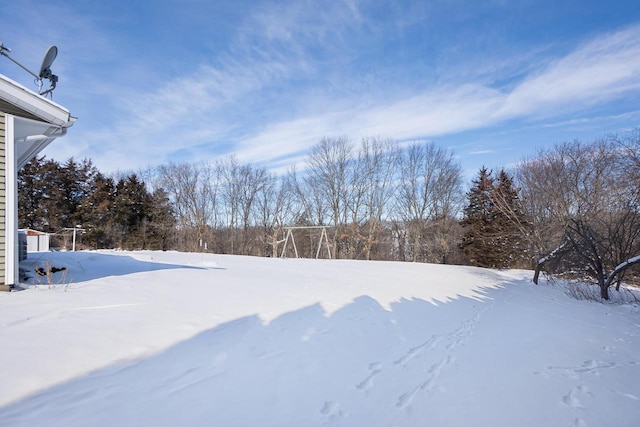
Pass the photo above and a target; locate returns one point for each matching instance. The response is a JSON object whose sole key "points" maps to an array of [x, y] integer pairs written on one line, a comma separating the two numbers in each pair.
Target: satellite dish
{"points": [[45, 68], [49, 57]]}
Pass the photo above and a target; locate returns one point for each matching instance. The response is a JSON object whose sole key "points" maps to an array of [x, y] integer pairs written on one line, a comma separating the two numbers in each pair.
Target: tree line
{"points": [[114, 213], [571, 208]]}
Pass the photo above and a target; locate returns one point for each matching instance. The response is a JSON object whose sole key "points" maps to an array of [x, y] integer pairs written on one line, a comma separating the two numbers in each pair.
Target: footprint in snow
{"points": [[375, 369], [579, 422], [330, 412], [592, 367], [414, 352], [573, 398], [404, 401]]}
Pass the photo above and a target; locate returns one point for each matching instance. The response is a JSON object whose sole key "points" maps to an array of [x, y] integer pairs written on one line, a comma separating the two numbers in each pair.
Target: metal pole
{"points": [[2, 49], [284, 247]]}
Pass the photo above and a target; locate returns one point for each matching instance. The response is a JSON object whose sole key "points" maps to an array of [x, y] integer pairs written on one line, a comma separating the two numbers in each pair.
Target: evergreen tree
{"points": [[132, 205], [69, 187], [98, 213], [161, 221], [53, 197], [511, 224], [45, 195], [32, 192], [494, 223], [477, 241]]}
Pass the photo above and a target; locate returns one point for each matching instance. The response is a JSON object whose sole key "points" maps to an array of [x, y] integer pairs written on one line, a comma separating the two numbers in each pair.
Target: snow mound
{"points": [[166, 338]]}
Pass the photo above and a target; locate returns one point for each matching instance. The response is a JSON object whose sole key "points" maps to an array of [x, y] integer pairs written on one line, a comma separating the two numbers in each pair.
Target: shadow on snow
{"points": [[302, 368], [85, 266]]}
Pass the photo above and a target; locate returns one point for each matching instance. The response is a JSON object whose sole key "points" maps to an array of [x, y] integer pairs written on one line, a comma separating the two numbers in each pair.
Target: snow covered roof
{"points": [[18, 100]]}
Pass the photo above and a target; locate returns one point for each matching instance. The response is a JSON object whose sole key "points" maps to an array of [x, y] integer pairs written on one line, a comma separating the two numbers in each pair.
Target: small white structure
{"points": [[37, 241], [28, 123]]}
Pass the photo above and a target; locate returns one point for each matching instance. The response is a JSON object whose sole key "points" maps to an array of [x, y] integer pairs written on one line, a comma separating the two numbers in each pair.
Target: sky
{"points": [[161, 81]]}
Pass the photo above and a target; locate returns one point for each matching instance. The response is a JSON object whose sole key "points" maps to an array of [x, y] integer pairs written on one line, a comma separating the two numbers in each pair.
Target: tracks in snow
{"points": [[430, 359], [448, 342], [580, 397]]}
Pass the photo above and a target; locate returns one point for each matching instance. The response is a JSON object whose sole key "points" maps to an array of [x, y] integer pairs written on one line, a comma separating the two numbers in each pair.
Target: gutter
{"points": [[29, 101]]}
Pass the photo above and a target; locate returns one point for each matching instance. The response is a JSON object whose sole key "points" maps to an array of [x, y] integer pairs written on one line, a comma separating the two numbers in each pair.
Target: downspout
{"points": [[11, 205]]}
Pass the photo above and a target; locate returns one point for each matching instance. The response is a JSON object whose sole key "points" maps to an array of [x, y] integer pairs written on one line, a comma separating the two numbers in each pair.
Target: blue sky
{"points": [[194, 80]]}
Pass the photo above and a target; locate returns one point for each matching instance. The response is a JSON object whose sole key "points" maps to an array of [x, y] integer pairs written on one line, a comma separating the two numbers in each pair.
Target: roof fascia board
{"points": [[33, 103]]}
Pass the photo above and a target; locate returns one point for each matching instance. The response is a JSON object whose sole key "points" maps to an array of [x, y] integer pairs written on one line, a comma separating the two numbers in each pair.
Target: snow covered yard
{"points": [[165, 339]]}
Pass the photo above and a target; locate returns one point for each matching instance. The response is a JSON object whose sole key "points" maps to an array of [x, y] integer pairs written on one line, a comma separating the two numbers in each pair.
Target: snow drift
{"points": [[153, 338]]}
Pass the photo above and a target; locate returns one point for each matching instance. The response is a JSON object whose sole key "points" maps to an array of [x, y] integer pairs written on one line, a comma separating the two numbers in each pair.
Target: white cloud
{"points": [[445, 110], [265, 99], [596, 72]]}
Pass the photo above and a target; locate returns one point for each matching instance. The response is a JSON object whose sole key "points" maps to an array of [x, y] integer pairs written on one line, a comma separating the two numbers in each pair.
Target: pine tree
{"points": [[132, 205], [70, 185], [161, 221], [494, 223], [98, 213], [31, 195], [511, 224], [55, 196], [478, 222]]}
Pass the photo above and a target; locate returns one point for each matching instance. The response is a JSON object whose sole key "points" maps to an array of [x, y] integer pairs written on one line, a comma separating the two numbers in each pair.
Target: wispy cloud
{"points": [[481, 152], [294, 72], [597, 72]]}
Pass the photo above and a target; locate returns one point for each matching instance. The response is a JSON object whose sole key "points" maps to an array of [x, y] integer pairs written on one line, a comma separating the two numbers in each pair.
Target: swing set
{"points": [[324, 240]]}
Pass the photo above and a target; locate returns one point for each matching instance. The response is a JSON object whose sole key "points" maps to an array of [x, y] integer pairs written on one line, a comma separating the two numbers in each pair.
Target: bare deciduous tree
{"points": [[194, 196], [429, 193], [252, 180], [327, 173], [584, 208], [378, 160], [274, 209]]}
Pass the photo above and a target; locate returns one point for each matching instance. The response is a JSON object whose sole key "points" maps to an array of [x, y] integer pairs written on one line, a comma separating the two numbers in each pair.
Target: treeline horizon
{"points": [[378, 200]]}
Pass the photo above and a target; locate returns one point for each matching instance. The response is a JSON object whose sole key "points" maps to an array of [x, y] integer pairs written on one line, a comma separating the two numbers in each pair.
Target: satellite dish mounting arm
{"points": [[47, 74], [4, 52], [45, 68]]}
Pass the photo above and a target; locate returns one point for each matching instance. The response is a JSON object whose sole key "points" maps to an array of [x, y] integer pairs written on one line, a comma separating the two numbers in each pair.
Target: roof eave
{"points": [[34, 103]]}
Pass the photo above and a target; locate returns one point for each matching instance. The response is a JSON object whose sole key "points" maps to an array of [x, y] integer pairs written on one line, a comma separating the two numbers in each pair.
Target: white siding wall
{"points": [[2, 197]]}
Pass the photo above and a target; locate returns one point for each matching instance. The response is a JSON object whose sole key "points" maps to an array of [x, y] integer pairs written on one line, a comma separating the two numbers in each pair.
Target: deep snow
{"points": [[166, 338]]}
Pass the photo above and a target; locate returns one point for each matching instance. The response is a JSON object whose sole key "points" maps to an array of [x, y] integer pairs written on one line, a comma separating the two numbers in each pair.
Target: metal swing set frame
{"points": [[289, 238]]}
